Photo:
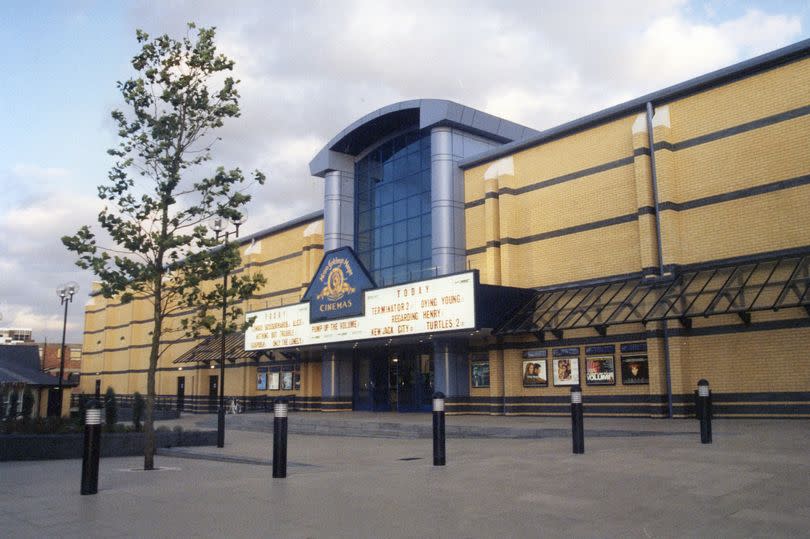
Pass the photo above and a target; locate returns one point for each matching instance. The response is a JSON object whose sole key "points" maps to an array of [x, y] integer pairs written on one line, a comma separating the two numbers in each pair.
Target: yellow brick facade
{"points": [[117, 336], [732, 172]]}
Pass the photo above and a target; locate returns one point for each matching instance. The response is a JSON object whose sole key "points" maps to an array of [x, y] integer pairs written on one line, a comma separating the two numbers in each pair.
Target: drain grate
{"points": [[411, 458]]}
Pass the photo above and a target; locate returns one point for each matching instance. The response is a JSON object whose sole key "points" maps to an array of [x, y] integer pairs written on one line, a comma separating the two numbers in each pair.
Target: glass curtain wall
{"points": [[392, 219]]}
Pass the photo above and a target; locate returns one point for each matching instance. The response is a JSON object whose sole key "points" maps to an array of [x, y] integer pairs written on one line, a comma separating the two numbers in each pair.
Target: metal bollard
{"points": [[577, 426], [92, 450], [221, 426], [280, 438], [705, 411], [439, 452]]}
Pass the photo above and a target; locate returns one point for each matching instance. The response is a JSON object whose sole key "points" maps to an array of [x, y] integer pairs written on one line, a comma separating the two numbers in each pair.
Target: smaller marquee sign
{"points": [[336, 291]]}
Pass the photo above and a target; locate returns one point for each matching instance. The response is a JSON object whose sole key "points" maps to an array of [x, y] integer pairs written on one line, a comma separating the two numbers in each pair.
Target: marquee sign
{"points": [[336, 291], [431, 306]]}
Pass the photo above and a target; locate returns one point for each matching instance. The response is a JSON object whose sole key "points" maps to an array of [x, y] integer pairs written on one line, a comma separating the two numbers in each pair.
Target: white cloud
{"points": [[33, 261], [43, 325], [40, 223], [38, 172], [673, 48], [757, 33]]}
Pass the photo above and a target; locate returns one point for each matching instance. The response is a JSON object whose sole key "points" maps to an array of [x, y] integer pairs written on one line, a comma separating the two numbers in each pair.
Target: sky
{"points": [[307, 70]]}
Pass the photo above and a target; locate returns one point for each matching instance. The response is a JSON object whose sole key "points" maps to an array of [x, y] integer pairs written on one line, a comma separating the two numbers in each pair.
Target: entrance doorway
{"points": [[54, 405], [398, 380], [181, 393], [213, 386]]}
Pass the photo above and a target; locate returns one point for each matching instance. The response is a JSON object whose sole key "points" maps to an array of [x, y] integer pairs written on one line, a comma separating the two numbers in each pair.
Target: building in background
{"points": [[51, 358], [16, 335], [20, 371], [633, 251]]}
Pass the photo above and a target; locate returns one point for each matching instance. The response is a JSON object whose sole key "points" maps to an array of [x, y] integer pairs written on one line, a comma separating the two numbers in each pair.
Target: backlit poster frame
{"points": [[600, 371], [565, 370], [261, 379], [273, 380], [535, 373]]}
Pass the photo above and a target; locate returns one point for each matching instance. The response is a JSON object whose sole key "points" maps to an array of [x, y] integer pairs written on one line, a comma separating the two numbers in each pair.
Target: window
{"points": [[479, 370], [392, 210]]}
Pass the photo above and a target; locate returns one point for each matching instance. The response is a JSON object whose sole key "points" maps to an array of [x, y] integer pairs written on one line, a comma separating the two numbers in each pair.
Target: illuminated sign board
{"points": [[336, 291], [432, 306]]}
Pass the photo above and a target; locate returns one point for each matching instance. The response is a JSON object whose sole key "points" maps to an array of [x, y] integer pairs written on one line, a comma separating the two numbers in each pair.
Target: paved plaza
{"points": [[638, 478]]}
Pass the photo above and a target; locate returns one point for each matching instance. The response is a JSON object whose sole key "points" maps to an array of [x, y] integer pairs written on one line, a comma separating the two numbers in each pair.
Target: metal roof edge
{"points": [[432, 112], [292, 223]]}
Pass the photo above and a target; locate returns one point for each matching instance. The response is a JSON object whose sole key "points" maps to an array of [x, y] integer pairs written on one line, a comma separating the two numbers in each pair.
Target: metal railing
{"points": [[202, 403]]}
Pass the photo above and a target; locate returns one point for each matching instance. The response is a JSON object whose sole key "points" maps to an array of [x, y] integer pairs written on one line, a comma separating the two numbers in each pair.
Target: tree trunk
{"points": [[148, 424]]}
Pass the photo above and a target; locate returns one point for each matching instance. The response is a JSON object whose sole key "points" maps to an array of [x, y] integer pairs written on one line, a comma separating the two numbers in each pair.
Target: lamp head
{"points": [[72, 287], [243, 215], [217, 225], [237, 221], [67, 290]]}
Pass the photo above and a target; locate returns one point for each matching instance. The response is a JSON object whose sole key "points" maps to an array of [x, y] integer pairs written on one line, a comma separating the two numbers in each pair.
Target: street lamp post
{"points": [[219, 230], [65, 292]]}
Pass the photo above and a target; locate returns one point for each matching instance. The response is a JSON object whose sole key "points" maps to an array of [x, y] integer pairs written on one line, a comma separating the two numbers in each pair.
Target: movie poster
{"points": [[600, 371], [480, 373], [273, 379], [261, 380], [286, 380], [566, 371], [635, 371], [534, 373]]}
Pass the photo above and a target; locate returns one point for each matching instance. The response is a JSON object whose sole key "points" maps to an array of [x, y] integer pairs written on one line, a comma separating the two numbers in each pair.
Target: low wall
{"points": [[70, 446]]}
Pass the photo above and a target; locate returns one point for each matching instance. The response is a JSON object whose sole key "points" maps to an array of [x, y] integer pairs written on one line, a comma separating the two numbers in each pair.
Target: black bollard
{"points": [[221, 426], [280, 438], [577, 426], [439, 452], [705, 411], [92, 449]]}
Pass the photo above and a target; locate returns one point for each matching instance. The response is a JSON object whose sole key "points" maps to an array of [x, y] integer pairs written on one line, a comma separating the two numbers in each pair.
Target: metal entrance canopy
{"points": [[210, 349], [743, 288]]}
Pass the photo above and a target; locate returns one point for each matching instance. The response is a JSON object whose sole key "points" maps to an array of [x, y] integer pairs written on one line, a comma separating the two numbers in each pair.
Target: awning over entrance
{"points": [[210, 349], [740, 289]]}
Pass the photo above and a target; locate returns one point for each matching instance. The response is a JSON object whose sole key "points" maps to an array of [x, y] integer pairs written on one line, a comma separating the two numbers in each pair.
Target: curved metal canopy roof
{"points": [[417, 113]]}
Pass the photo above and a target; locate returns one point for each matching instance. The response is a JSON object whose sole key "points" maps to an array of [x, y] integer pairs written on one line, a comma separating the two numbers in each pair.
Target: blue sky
{"points": [[536, 63], [61, 61]]}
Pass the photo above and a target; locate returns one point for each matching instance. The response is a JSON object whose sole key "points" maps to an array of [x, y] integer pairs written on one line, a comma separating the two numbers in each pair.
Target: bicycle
{"points": [[234, 407]]}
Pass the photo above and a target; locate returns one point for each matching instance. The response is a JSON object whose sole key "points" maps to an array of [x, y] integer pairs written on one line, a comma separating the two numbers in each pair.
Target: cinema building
{"points": [[633, 251]]}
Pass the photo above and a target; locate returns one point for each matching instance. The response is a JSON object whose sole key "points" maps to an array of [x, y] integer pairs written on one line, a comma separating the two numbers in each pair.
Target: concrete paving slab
{"points": [[750, 483]]}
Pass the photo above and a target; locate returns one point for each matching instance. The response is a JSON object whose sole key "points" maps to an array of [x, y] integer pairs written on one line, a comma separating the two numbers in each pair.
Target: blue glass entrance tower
{"points": [[393, 191], [392, 211]]}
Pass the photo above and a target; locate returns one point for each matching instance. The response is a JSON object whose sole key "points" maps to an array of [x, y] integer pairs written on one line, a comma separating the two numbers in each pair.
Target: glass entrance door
{"points": [[370, 382], [411, 380], [399, 380]]}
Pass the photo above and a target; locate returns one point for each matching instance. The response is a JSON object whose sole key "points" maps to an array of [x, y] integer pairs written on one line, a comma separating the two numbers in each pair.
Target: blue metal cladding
{"points": [[392, 210]]}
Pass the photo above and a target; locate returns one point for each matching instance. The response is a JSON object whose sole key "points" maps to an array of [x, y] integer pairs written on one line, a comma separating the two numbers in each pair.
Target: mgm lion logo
{"points": [[336, 286]]}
